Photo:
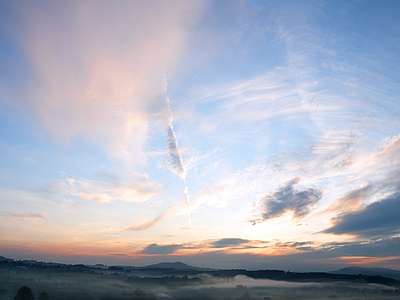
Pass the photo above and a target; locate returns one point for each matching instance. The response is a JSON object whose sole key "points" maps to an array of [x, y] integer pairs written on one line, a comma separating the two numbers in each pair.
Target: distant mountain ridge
{"points": [[163, 265], [173, 265], [2, 258], [384, 272]]}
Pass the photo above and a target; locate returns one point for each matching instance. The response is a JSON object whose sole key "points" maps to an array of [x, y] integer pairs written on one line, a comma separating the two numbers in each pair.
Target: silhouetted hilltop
{"points": [[172, 265], [2, 258], [369, 271]]}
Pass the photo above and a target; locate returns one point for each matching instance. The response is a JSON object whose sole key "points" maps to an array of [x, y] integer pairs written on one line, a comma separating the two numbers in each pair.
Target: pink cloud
{"points": [[99, 68]]}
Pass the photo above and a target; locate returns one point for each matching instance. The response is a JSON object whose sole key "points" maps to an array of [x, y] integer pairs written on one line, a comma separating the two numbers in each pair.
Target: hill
{"points": [[368, 271], [172, 265]]}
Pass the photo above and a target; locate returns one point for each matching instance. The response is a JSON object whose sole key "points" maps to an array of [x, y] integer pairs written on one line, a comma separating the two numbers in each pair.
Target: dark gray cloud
{"points": [[286, 199], [156, 249], [298, 244], [382, 247], [228, 242], [377, 219], [305, 248]]}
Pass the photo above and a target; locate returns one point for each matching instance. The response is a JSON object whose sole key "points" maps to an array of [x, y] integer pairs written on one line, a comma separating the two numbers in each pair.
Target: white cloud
{"points": [[106, 191]]}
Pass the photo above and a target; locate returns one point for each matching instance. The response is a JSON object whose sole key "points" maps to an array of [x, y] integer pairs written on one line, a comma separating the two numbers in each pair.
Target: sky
{"points": [[227, 134]]}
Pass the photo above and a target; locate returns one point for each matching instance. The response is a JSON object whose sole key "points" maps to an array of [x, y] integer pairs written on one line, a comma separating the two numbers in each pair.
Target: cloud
{"points": [[381, 247], [156, 249], [25, 215], [227, 242], [332, 148], [390, 150], [119, 254], [218, 195], [288, 245], [374, 252], [287, 199], [250, 101], [324, 160], [108, 191], [377, 219], [297, 244], [174, 153], [187, 202], [146, 223], [104, 81], [174, 210], [353, 200]]}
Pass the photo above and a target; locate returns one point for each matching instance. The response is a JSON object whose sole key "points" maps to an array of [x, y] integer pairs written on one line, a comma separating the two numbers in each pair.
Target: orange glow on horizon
{"points": [[365, 260]]}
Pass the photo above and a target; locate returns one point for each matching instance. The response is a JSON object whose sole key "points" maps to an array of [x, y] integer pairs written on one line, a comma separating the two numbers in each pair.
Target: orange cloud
{"points": [[352, 201], [89, 248], [146, 223], [174, 210], [365, 260]]}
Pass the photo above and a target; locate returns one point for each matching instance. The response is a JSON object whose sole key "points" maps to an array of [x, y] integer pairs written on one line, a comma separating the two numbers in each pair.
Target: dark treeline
{"points": [[165, 280]]}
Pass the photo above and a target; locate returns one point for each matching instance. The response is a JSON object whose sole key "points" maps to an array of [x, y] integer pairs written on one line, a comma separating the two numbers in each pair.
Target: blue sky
{"points": [[218, 133]]}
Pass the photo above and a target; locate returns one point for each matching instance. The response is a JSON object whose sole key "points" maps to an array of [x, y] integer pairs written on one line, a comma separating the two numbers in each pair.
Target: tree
{"points": [[138, 294], [24, 293], [44, 296]]}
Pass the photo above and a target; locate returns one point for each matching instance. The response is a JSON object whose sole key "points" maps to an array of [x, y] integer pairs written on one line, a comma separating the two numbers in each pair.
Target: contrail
{"points": [[174, 153], [186, 194], [176, 160]]}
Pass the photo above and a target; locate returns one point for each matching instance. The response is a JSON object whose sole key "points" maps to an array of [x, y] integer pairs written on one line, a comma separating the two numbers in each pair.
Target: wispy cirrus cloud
{"points": [[390, 150], [22, 215], [144, 224], [108, 191], [367, 173], [174, 210], [335, 150], [253, 101]]}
